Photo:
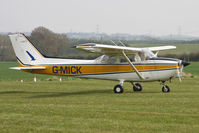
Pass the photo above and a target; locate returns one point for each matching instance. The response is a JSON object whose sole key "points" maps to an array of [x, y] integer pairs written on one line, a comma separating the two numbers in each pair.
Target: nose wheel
{"points": [[165, 88]]}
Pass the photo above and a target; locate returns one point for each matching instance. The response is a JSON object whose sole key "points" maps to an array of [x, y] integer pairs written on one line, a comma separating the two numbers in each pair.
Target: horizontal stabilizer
{"points": [[27, 68]]}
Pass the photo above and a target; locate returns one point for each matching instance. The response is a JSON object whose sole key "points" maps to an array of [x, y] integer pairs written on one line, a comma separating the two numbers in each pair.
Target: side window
{"points": [[131, 57], [120, 59], [104, 59], [137, 58], [114, 60], [142, 56]]}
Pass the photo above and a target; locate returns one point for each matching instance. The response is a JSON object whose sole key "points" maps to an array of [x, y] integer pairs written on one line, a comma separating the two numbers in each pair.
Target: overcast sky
{"points": [[155, 17]]}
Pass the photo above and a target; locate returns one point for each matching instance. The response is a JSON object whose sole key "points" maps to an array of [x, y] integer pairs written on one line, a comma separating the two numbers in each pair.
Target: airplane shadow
{"points": [[63, 94], [56, 94]]}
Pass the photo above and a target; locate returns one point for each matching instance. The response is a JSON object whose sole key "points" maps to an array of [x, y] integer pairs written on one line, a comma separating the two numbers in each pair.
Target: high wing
{"points": [[117, 50], [107, 49], [121, 50]]}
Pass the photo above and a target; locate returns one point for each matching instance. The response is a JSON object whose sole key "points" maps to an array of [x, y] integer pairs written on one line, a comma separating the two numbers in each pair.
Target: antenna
{"points": [[113, 42], [122, 43]]}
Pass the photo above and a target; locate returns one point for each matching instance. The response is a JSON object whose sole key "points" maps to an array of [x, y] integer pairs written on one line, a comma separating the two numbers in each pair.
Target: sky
{"points": [[153, 17]]}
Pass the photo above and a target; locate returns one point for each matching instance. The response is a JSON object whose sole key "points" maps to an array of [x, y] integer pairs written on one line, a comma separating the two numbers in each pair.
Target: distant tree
{"points": [[54, 44], [48, 42], [6, 50]]}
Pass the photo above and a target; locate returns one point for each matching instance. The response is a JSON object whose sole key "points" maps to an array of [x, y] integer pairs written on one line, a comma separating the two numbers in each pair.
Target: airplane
{"points": [[119, 63]]}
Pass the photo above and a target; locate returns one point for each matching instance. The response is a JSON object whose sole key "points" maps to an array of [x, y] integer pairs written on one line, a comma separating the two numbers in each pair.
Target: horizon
{"points": [[109, 34]]}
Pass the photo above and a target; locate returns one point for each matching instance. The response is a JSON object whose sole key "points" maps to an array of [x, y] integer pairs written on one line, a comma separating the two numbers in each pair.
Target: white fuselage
{"points": [[160, 70]]}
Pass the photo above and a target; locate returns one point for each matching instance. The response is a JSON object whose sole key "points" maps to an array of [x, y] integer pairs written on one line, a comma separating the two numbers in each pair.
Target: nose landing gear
{"points": [[165, 87]]}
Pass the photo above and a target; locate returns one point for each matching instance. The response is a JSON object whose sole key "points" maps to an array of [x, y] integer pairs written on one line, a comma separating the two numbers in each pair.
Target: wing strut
{"points": [[131, 64]]}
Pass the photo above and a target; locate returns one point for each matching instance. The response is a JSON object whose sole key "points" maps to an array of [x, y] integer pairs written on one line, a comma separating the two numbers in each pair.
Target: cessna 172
{"points": [[119, 63]]}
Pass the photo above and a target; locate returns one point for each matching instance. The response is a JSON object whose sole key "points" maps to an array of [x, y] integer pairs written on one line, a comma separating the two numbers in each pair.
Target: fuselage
{"points": [[152, 70]]}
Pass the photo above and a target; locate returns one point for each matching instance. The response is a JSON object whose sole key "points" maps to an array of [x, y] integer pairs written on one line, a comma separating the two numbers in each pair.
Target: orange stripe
{"points": [[97, 69]]}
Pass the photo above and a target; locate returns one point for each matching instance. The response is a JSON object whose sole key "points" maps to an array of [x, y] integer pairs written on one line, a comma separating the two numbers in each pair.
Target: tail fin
{"points": [[25, 52]]}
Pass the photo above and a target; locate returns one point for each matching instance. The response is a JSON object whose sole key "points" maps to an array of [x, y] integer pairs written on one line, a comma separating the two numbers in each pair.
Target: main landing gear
{"points": [[119, 88]]}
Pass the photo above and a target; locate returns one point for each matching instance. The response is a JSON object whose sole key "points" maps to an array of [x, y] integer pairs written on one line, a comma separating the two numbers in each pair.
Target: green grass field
{"points": [[86, 105]]}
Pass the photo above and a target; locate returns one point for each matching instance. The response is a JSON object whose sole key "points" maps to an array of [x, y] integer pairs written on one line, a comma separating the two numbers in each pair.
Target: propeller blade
{"points": [[179, 74], [179, 71]]}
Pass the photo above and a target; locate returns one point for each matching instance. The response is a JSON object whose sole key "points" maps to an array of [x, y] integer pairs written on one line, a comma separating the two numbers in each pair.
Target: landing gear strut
{"points": [[165, 88]]}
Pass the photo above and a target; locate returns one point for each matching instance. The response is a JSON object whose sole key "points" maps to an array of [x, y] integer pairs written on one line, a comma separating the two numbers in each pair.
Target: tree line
{"points": [[59, 45]]}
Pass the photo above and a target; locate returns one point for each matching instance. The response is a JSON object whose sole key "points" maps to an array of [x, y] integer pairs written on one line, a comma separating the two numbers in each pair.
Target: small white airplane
{"points": [[119, 63]]}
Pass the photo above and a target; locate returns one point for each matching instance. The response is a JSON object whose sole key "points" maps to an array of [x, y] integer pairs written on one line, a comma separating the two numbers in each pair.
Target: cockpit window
{"points": [[104, 59], [138, 57]]}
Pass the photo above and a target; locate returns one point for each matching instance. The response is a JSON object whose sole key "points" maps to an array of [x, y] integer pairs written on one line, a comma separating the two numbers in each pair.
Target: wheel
{"points": [[137, 87], [118, 89], [165, 88]]}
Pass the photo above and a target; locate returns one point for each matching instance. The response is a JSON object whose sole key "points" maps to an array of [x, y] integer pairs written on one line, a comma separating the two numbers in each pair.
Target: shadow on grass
{"points": [[62, 94], [11, 92], [56, 94], [149, 92]]}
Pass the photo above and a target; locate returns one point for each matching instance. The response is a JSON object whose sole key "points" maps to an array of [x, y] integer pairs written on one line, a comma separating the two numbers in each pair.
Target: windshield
{"points": [[147, 54]]}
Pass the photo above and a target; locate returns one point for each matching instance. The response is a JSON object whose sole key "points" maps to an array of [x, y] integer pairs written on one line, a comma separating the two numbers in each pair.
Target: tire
{"points": [[118, 89], [137, 87], [165, 89]]}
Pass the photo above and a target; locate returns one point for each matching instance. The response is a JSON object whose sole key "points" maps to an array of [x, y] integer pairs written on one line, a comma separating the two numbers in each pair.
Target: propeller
{"points": [[179, 71], [182, 64]]}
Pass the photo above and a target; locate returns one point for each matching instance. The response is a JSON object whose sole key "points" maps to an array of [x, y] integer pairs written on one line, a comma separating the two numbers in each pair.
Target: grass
{"points": [[193, 68], [12, 75], [87, 105]]}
